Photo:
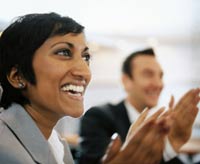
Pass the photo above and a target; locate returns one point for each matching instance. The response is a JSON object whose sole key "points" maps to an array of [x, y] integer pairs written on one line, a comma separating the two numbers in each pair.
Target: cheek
{"points": [[144, 83], [47, 91], [47, 82], [141, 84], [46, 66], [49, 72], [140, 89]]}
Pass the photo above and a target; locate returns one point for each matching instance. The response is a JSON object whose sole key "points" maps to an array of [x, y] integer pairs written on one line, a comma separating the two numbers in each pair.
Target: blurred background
{"points": [[115, 28]]}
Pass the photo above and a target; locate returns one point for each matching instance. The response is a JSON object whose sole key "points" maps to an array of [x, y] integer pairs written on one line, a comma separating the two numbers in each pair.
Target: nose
{"points": [[81, 70]]}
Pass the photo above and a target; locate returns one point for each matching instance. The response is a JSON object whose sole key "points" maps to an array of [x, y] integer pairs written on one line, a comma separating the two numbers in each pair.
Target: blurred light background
{"points": [[115, 28]]}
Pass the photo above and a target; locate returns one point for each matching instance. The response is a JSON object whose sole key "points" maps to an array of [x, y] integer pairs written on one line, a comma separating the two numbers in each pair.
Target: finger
{"points": [[185, 113], [138, 122], [197, 98], [156, 114], [140, 146], [164, 123], [136, 137], [156, 151], [188, 99], [152, 144], [194, 96], [165, 114], [142, 116], [169, 115], [145, 126], [171, 102], [187, 103], [113, 148]]}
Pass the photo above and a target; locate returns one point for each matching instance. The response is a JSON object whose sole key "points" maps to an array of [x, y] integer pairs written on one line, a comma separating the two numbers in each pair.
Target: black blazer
{"points": [[96, 128]]}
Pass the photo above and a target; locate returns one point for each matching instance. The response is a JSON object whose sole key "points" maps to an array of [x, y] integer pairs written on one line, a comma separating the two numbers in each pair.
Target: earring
{"points": [[21, 85]]}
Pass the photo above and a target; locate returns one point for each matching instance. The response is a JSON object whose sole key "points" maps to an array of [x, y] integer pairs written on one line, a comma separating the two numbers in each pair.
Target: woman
{"points": [[44, 69], [44, 72]]}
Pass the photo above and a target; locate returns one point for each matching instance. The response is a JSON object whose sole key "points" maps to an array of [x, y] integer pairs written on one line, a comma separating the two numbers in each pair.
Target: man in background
{"points": [[142, 77]]}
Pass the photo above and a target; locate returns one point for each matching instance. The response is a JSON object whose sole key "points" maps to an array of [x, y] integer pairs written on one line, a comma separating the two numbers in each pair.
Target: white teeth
{"points": [[74, 88]]}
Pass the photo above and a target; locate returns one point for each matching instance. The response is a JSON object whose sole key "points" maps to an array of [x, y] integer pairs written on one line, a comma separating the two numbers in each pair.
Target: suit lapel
{"points": [[67, 154], [26, 131], [122, 122]]}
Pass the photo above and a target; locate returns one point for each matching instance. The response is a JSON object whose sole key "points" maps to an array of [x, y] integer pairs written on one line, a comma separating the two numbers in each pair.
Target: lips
{"points": [[153, 93]]}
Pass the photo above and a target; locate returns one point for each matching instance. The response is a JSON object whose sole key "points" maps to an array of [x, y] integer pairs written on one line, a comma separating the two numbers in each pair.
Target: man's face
{"points": [[146, 84]]}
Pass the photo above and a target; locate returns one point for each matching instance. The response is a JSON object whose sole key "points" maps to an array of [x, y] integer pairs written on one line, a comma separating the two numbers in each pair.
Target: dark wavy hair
{"points": [[19, 42]]}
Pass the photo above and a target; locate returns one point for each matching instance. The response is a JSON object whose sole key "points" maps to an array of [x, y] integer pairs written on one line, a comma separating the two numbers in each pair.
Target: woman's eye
{"points": [[64, 52], [87, 57]]}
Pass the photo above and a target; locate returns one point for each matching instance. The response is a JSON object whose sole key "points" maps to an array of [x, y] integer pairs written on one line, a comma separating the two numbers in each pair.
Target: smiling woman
{"points": [[61, 83], [44, 70]]}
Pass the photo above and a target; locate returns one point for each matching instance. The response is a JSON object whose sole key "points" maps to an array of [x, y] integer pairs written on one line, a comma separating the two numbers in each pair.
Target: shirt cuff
{"points": [[169, 152]]}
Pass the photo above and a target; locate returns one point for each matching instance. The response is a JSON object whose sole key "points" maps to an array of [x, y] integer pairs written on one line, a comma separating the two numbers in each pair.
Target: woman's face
{"points": [[61, 67]]}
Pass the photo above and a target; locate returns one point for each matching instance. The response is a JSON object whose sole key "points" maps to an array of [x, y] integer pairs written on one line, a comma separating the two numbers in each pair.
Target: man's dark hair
{"points": [[19, 42], [127, 64]]}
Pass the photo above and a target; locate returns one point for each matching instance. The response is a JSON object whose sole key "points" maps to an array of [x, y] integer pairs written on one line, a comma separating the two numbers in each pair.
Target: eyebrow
{"points": [[70, 45]]}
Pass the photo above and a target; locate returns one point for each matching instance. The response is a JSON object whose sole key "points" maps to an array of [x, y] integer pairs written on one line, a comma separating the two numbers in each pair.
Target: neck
{"points": [[139, 107], [44, 119]]}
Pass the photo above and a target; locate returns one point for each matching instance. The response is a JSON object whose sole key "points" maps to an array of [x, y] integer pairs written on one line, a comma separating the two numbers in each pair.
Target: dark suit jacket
{"points": [[96, 128]]}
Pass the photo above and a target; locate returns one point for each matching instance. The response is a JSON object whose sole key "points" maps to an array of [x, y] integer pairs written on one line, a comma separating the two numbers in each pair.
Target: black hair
{"points": [[127, 64], [19, 42]]}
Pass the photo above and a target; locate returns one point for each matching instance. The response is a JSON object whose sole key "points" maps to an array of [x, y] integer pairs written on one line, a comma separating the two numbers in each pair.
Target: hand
{"points": [[144, 143], [184, 114]]}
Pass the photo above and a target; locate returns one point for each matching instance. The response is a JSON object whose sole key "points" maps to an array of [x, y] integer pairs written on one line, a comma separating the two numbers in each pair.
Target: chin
{"points": [[76, 113], [152, 104]]}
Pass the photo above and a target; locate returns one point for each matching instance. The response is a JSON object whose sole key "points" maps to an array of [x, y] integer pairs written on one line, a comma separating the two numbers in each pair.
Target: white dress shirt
{"points": [[133, 114], [56, 146]]}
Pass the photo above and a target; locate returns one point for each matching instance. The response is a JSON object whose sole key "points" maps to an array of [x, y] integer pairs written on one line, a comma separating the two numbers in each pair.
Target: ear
{"points": [[127, 82], [16, 79]]}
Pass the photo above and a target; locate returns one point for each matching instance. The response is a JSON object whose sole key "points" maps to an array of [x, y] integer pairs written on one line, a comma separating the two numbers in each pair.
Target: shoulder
{"points": [[8, 136], [102, 113], [11, 149], [2, 127], [106, 110], [5, 133], [7, 139], [4, 130], [96, 115], [99, 111]]}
